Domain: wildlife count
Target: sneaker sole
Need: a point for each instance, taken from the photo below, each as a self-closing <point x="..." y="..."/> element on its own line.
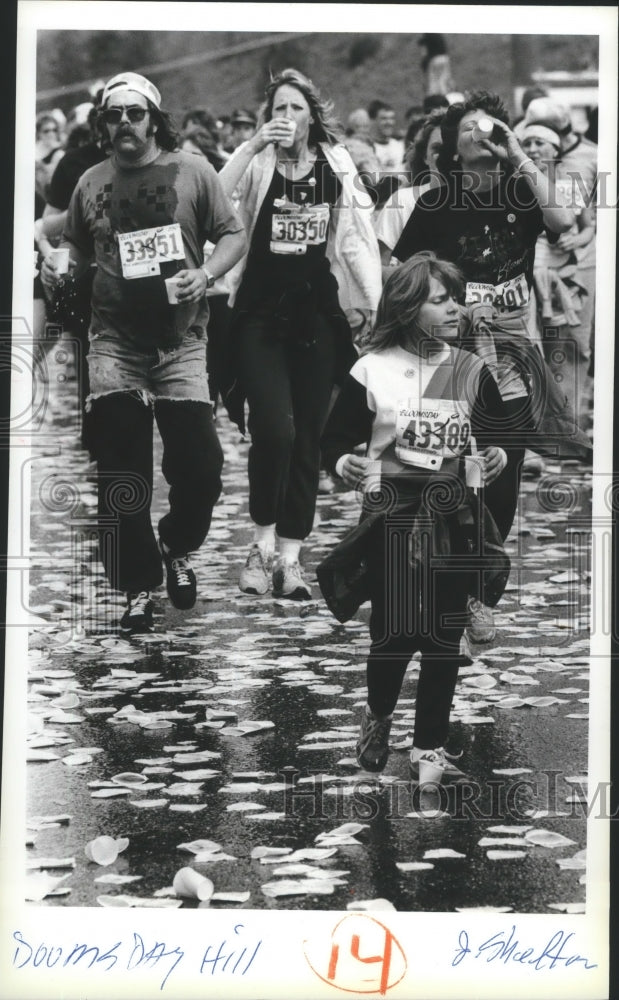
<point x="371" y="767"/>
<point x="143" y="630"/>
<point x="480" y="641"/>
<point x="181" y="605"/>
<point x="298" y="594"/>
<point x="253" y="590"/>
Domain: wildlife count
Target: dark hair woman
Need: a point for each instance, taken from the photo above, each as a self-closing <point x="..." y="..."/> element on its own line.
<point x="312" y="255"/>
<point x="485" y="218"/>
<point x="421" y="160"/>
<point x="417" y="402"/>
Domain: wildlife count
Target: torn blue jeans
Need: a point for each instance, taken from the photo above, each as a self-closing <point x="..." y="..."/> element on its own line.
<point x="129" y="391"/>
<point x="170" y="373"/>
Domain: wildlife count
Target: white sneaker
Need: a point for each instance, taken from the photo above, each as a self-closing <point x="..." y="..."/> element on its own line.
<point x="288" y="582"/>
<point x="481" y="626"/>
<point x="255" y="576"/>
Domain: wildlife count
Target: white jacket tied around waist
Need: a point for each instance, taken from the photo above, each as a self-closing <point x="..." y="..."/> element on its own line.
<point x="351" y="247"/>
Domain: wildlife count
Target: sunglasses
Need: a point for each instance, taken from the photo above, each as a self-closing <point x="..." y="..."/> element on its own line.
<point x="113" y="116"/>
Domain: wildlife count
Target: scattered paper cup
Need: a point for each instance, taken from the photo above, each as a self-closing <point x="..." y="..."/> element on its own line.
<point x="190" y="884"/>
<point x="429" y="773"/>
<point x="171" y="285"/>
<point x="102" y="850"/>
<point x="60" y="257"/>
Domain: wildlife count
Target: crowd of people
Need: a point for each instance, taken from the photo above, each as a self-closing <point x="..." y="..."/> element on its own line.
<point x="384" y="308"/>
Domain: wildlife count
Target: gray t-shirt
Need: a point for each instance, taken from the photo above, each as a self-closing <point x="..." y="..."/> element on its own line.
<point x="110" y="200"/>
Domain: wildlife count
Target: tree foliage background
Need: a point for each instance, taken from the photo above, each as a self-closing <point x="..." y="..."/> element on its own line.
<point x="352" y="68"/>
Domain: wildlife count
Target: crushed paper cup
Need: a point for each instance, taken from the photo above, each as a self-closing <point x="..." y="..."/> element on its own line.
<point x="104" y="850"/>
<point x="190" y="884"/>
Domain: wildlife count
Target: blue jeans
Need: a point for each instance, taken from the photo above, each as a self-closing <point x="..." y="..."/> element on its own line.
<point x="170" y="373"/>
<point x="128" y="389"/>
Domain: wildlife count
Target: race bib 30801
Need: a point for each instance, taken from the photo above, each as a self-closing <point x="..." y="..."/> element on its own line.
<point x="511" y="294"/>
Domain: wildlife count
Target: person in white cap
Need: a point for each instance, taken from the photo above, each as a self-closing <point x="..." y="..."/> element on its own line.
<point x="144" y="216"/>
<point x="563" y="289"/>
<point x="578" y="161"/>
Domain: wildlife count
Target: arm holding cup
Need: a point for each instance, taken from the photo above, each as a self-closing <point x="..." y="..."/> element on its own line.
<point x="557" y="218"/>
<point x="277" y="130"/>
<point x="59" y="261"/>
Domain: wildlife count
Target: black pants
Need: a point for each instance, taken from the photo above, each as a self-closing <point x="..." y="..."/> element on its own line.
<point x="414" y="609"/>
<point x="122" y="425"/>
<point x="218" y="332"/>
<point x="501" y="496"/>
<point x="288" y="387"/>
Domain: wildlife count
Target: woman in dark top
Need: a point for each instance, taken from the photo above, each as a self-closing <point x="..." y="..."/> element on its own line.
<point x="312" y="254"/>
<point x="486" y="218"/>
<point x="418" y="402"/>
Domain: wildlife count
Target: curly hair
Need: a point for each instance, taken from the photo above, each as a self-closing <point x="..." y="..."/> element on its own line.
<point x="420" y="172"/>
<point x="325" y="126"/>
<point x="166" y="135"/>
<point x="479" y="100"/>
<point x="205" y="142"/>
<point x="405" y="291"/>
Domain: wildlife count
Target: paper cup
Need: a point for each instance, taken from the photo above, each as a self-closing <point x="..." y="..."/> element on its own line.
<point x="60" y="257"/>
<point x="371" y="476"/>
<point x="429" y="773"/>
<point x="171" y="285"/>
<point x="190" y="884"/>
<point x="475" y="468"/>
<point x="287" y="143"/>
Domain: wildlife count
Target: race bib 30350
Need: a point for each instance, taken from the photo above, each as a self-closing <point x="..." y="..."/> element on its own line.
<point x="293" y="231"/>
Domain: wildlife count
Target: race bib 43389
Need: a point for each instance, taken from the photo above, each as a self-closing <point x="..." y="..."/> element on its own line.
<point x="427" y="434"/>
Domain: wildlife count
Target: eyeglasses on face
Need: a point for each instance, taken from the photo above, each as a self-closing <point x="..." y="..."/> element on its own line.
<point x="113" y="116"/>
<point x="50" y="129"/>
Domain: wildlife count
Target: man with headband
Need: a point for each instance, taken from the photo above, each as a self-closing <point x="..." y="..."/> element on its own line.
<point x="144" y="216"/>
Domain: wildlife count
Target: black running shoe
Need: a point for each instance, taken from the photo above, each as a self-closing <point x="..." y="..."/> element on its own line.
<point x="373" y="742"/>
<point x="139" y="614"/>
<point x="181" y="579"/>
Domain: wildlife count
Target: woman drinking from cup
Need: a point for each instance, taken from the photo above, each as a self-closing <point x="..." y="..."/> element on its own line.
<point x="431" y="417"/>
<point x="312" y="255"/>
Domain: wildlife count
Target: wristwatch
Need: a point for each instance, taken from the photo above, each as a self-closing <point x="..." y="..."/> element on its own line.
<point x="210" y="279"/>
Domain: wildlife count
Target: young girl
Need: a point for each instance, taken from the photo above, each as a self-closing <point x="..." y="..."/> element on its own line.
<point x="420" y="404"/>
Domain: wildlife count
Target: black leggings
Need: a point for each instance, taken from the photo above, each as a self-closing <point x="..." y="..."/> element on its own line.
<point x="122" y="425"/>
<point x="288" y="388"/>
<point x="412" y="610"/>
